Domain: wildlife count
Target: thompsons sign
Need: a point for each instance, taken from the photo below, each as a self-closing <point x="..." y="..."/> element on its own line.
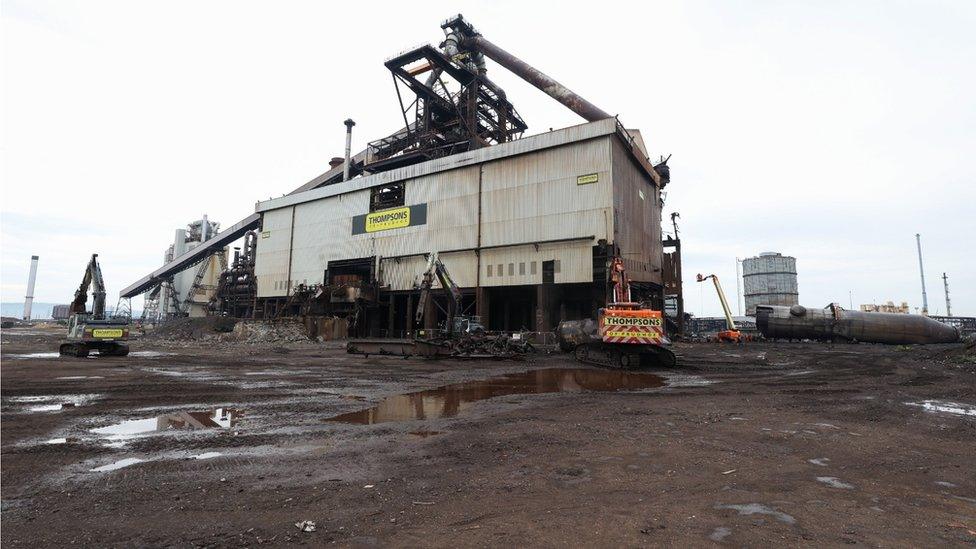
<point x="394" y="218"/>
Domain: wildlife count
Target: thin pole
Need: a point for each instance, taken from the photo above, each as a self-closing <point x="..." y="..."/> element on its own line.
<point x="921" y="270"/>
<point x="738" y="286"/>
<point x="945" y="281"/>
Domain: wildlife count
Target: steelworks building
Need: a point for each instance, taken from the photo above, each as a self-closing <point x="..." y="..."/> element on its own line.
<point x="525" y="228"/>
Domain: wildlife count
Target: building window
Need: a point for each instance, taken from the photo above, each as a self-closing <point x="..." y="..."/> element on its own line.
<point x="511" y="269"/>
<point x="500" y="271"/>
<point x="532" y="268"/>
<point x="489" y="270"/>
<point x="386" y="197"/>
<point x="522" y="268"/>
<point x="558" y="266"/>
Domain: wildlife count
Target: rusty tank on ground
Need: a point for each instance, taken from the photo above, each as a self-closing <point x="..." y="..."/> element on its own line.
<point x="834" y="323"/>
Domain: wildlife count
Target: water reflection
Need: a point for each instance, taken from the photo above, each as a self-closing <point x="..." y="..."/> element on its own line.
<point x="450" y="400"/>
<point x="209" y="419"/>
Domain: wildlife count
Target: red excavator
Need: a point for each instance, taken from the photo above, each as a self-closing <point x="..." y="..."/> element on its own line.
<point x="627" y="334"/>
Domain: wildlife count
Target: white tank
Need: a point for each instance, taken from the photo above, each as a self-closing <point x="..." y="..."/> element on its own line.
<point x="769" y="279"/>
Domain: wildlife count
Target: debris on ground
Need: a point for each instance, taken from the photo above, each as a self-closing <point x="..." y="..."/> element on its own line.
<point x="229" y="329"/>
<point x="306" y="525"/>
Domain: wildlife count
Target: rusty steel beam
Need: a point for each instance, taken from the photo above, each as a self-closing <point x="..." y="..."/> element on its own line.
<point x="537" y="78"/>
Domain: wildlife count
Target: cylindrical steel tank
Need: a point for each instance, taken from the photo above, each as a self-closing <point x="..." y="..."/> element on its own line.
<point x="834" y="323"/>
<point x="769" y="279"/>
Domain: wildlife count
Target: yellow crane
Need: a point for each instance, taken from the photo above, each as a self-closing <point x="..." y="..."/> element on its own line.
<point x="731" y="333"/>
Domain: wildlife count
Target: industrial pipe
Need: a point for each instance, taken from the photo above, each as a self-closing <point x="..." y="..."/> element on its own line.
<point x="834" y="323"/>
<point x="345" y="170"/>
<point x="31" y="279"/>
<point x="537" y="78"/>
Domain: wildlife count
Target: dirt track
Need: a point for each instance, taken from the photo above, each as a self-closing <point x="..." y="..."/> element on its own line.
<point x="797" y="444"/>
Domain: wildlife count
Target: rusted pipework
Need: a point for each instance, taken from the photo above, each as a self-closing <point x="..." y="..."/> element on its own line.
<point x="537" y="78"/>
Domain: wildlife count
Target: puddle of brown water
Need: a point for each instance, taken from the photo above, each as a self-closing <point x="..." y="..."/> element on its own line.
<point x="449" y="400"/>
<point x="216" y="418"/>
<point x="424" y="433"/>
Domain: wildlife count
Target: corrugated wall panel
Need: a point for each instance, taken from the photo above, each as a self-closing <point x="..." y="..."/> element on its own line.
<point x="323" y="228"/>
<point x="536" y="197"/>
<point x="271" y="268"/>
<point x="523" y="264"/>
<point x="637" y="224"/>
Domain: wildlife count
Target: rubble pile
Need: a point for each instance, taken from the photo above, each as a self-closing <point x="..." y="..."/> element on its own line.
<point x="227" y="329"/>
<point x="257" y="331"/>
<point x="189" y="329"/>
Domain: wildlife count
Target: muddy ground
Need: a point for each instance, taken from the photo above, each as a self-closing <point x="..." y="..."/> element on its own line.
<point x="768" y="443"/>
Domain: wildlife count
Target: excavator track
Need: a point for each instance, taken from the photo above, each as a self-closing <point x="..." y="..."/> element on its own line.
<point x="624" y="357"/>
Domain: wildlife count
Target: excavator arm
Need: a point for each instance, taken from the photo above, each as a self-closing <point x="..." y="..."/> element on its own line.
<point x="92" y="280"/>
<point x="437" y="269"/>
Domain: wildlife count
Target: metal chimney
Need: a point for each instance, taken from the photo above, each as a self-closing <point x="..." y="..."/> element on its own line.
<point x="349" y="124"/>
<point x="31" y="278"/>
<point x="945" y="281"/>
<point x="921" y="270"/>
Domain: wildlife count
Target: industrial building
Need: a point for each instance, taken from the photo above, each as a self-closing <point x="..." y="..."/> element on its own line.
<point x="769" y="279"/>
<point x="527" y="226"/>
<point x="187" y="292"/>
<point x="524" y="227"/>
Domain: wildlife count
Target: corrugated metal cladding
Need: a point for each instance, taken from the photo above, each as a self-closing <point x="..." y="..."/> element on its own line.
<point x="557" y="138"/>
<point x="526" y="199"/>
<point x="274" y="243"/>
<point x="637" y="230"/>
<point x="535" y="197"/>
<point x="769" y="279"/>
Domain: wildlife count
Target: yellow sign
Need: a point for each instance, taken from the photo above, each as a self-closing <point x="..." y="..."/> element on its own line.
<point x="631" y="321"/>
<point x="644" y="335"/>
<point x="388" y="219"/>
<point x="107" y="332"/>
<point x="266" y="234"/>
<point x="587" y="179"/>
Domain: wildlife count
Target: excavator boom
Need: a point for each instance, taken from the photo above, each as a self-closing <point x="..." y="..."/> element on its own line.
<point x="91" y="280"/>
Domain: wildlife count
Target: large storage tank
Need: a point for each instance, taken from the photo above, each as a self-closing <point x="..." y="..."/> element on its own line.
<point x="769" y="279"/>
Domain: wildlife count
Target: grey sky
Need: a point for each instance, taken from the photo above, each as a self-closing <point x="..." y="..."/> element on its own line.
<point x="831" y="131"/>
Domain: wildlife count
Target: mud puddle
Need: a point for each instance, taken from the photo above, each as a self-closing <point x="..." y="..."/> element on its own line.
<point x="34" y="355"/>
<point x="117" y="465"/>
<point x="49" y="403"/>
<point x="450" y="400"/>
<point x="946" y="407"/>
<point x="221" y="418"/>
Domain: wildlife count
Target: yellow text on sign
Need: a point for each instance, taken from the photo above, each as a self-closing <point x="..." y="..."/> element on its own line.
<point x="645" y="335"/>
<point x="388" y="219"/>
<point x="587" y="179"/>
<point x="107" y="332"/>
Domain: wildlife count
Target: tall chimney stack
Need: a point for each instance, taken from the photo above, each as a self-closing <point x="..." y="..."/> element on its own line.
<point x="349" y="124"/>
<point x="31" y="278"/>
<point x="921" y="270"/>
<point x="945" y="281"/>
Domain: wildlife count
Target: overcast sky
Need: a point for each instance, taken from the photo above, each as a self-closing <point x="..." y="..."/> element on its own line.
<point x="830" y="131"/>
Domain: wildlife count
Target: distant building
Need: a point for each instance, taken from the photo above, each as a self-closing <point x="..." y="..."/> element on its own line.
<point x="769" y="279"/>
<point x="60" y="312"/>
<point x="888" y="307"/>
